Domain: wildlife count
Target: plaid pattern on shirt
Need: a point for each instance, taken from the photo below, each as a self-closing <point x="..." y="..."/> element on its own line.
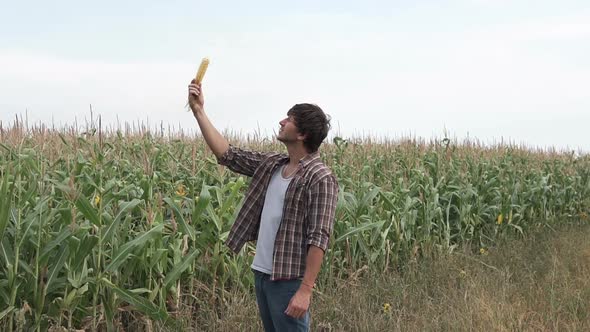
<point x="308" y="211"/>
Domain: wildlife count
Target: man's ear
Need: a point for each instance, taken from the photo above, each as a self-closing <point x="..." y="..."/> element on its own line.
<point x="301" y="137"/>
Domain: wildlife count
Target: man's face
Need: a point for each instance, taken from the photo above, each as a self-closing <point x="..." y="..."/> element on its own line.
<point x="288" y="131"/>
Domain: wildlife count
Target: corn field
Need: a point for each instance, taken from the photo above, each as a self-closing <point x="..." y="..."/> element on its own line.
<point x="101" y="230"/>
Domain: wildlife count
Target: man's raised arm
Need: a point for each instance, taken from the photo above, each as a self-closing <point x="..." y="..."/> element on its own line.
<point x="216" y="142"/>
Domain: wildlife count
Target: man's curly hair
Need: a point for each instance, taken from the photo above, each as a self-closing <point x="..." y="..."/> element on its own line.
<point x="311" y="122"/>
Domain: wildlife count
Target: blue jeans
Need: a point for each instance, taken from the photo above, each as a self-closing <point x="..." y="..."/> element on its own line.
<point x="273" y="299"/>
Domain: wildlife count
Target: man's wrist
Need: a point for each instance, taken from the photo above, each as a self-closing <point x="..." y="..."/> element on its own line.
<point x="198" y="113"/>
<point x="307" y="286"/>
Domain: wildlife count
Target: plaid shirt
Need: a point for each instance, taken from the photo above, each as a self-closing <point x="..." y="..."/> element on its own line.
<point x="308" y="211"/>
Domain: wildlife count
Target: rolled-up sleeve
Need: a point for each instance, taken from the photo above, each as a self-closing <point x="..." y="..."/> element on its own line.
<point x="322" y="207"/>
<point x="242" y="161"/>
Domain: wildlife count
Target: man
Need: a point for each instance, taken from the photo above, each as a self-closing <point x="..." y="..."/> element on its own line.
<point x="288" y="209"/>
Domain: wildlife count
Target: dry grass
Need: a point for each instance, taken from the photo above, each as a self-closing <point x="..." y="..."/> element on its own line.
<point x="541" y="283"/>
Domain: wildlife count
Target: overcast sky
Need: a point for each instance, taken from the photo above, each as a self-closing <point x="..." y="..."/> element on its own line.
<point x="487" y="69"/>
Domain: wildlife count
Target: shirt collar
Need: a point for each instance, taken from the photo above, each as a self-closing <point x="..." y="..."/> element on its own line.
<point x="305" y="161"/>
<point x="309" y="158"/>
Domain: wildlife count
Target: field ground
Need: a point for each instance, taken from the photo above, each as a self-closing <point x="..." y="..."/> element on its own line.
<point x="540" y="283"/>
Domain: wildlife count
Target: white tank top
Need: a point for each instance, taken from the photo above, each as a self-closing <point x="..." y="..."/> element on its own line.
<point x="270" y="220"/>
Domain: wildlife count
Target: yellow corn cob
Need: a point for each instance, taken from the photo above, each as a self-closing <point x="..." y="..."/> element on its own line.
<point x="202" y="70"/>
<point x="200" y="73"/>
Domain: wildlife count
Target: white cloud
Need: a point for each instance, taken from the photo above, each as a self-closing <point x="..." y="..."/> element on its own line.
<point x="550" y="29"/>
<point x="488" y="82"/>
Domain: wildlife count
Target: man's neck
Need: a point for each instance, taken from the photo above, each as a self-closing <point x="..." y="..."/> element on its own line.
<point x="296" y="153"/>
